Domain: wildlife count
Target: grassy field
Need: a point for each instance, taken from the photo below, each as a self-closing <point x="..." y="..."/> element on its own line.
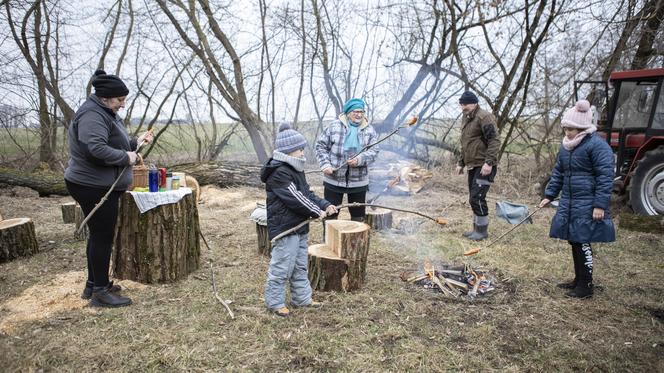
<point x="526" y="325"/>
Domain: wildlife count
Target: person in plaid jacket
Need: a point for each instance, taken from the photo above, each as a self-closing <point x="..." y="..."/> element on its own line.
<point x="336" y="150"/>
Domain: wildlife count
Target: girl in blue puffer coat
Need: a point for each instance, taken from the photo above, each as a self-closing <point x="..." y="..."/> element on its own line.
<point x="583" y="176"/>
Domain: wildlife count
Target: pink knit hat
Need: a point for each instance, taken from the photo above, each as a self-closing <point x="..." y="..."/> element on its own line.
<point x="580" y="116"/>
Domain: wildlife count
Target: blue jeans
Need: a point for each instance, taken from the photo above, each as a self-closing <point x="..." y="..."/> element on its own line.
<point x="290" y="263"/>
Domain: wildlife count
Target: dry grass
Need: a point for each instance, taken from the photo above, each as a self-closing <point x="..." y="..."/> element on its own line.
<point x="527" y="324"/>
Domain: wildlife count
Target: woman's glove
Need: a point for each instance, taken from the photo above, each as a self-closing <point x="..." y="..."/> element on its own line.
<point x="132" y="158"/>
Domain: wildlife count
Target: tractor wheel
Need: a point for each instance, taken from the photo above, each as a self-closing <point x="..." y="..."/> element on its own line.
<point x="647" y="186"/>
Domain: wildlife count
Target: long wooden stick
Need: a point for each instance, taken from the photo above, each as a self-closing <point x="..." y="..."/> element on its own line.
<point x="410" y="122"/>
<point x="476" y="250"/>
<point x="214" y="283"/>
<point x="440" y="221"/>
<point x="105" y="197"/>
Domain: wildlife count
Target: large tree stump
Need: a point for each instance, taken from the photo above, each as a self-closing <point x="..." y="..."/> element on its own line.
<point x="379" y="219"/>
<point x="162" y="245"/>
<point x="17" y="239"/>
<point x="340" y="263"/>
<point x="264" y="244"/>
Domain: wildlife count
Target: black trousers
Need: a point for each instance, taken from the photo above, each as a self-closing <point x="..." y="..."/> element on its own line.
<point x="335" y="198"/>
<point x="478" y="187"/>
<point x="101" y="226"/>
<point x="582" y="253"/>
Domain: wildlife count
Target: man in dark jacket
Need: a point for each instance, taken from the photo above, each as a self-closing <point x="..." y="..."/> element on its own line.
<point x="290" y="201"/>
<point x="479" y="154"/>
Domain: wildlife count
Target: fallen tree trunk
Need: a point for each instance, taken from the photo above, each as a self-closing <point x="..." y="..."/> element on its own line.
<point x="220" y="174"/>
<point x="45" y="183"/>
<point x="223" y="174"/>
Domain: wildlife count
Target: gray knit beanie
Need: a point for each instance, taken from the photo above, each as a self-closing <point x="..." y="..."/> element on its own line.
<point x="289" y="140"/>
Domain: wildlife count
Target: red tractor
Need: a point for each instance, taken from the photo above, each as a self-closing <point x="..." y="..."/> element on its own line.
<point x="632" y="120"/>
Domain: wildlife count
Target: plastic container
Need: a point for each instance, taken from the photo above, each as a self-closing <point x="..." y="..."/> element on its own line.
<point x="153" y="179"/>
<point x="169" y="181"/>
<point x="175" y="183"/>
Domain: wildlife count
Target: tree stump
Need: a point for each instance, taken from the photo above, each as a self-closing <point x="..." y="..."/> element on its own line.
<point x="264" y="244"/>
<point x="159" y="246"/>
<point x="68" y="212"/>
<point x="379" y="219"/>
<point x="79" y="216"/>
<point x="340" y="263"/>
<point x="17" y="239"/>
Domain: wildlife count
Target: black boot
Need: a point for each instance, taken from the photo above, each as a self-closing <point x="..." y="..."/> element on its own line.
<point x="87" y="291"/>
<point x="480" y="233"/>
<point x="577" y="262"/>
<point x="584" y="284"/>
<point x="101" y="297"/>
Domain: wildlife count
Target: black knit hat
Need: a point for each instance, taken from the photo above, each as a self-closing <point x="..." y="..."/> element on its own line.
<point x="108" y="85"/>
<point x="468" y="97"/>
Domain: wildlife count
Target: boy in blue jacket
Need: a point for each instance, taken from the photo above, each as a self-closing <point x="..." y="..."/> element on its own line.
<point x="584" y="175"/>
<point x="290" y="201"/>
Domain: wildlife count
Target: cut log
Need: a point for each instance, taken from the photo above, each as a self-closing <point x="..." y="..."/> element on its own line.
<point x="264" y="244"/>
<point x="44" y="182"/>
<point x="160" y="246"/>
<point x="340" y="263"/>
<point x="68" y="212"/>
<point x="328" y="272"/>
<point x="17" y="239"/>
<point x="79" y="216"/>
<point x="223" y="175"/>
<point x="379" y="219"/>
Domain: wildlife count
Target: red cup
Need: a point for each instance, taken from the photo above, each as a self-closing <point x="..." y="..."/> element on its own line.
<point x="162" y="178"/>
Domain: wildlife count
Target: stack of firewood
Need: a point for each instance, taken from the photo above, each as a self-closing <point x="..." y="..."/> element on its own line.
<point x="453" y="281"/>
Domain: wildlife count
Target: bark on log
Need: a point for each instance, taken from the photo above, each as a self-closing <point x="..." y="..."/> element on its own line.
<point x="264" y="244"/>
<point x="17" y="239"/>
<point x="327" y="272"/>
<point x="79" y="216"/>
<point x="68" y="212"/>
<point x="162" y="245"/>
<point x="379" y="219"/>
<point x="45" y="183"/>
<point x="223" y="175"/>
<point x="340" y="263"/>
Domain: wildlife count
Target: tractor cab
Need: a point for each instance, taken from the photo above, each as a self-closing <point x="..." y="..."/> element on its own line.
<point x="630" y="116"/>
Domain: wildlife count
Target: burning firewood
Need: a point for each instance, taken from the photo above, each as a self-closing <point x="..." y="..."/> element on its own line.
<point x="452" y="281"/>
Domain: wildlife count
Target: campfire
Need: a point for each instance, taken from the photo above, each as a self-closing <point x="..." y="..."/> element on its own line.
<point x="451" y="280"/>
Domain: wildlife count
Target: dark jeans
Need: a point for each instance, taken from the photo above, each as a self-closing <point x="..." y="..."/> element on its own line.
<point x="101" y="226"/>
<point x="478" y="187"/>
<point x="335" y="198"/>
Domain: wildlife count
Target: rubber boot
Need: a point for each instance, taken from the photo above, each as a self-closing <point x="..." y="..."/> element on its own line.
<point x="584" y="284"/>
<point x="577" y="263"/>
<point x="467" y="234"/>
<point x="87" y="291"/>
<point x="481" y="229"/>
<point x="101" y="297"/>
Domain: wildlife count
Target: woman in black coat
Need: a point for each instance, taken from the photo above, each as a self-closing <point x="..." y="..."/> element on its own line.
<point x="583" y="176"/>
<point x="100" y="148"/>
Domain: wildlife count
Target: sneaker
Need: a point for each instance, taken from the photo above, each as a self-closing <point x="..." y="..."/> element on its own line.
<point x="283" y="311"/>
<point x="87" y="291"/>
<point x="313" y="304"/>
<point x="101" y="297"/>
